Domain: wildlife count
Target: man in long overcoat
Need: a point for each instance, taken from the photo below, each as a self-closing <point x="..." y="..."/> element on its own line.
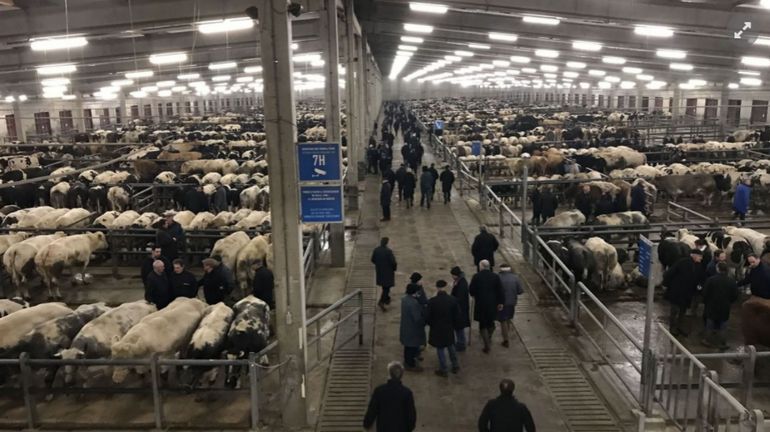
<point x="681" y="282"/>
<point x="443" y="317"/>
<point x="487" y="289"/>
<point x="385" y="267"/>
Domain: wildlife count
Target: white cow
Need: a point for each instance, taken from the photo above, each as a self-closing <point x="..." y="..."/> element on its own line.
<point x="66" y="252"/>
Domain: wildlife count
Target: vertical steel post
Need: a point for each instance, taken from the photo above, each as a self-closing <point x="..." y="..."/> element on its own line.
<point x="254" y="391"/>
<point x="646" y="348"/>
<point x="525" y="242"/>
<point x="501" y="220"/>
<point x="360" y="318"/>
<point x="574" y="304"/>
<point x="749" y="364"/>
<point x="156" y="396"/>
<point x="29" y="400"/>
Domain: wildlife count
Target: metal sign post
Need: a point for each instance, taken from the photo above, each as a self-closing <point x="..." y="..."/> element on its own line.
<point x="648" y="252"/>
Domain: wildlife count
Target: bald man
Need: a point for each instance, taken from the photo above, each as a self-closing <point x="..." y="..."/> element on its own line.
<point x="158" y="288"/>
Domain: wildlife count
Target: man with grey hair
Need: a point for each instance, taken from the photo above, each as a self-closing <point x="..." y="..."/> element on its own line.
<point x="158" y="288"/>
<point x="392" y="404"/>
<point x="505" y="413"/>
<point x="487" y="289"/>
<point x="511" y="290"/>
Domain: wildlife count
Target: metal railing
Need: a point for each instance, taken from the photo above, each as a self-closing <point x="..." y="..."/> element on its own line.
<point x="321" y="330"/>
<point x="723" y="412"/>
<point x="685" y="214"/>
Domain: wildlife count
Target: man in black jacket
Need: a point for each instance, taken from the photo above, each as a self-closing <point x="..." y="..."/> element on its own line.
<point x="263" y="285"/>
<point x="155" y="255"/>
<point x="385" y="192"/>
<point x="196" y="200"/>
<point x="157" y="290"/>
<point x="719" y="293"/>
<point x="487" y="289"/>
<point x="217" y="281"/>
<point x="460" y="292"/>
<point x="506" y="414"/>
<point x="639" y="198"/>
<point x="681" y="282"/>
<point x="400" y="178"/>
<point x="758" y="277"/>
<point x="484" y="247"/>
<point x="548" y="204"/>
<point x="385" y="269"/>
<point x="170" y="236"/>
<point x="183" y="283"/>
<point x="392" y="404"/>
<point x="443" y="318"/>
<point x="583" y="201"/>
<point x="447" y="180"/>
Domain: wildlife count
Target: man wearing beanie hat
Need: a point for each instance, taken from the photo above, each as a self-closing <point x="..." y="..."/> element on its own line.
<point x="681" y="282"/>
<point x="416" y="280"/>
<point x="385" y="270"/>
<point x="412" y="328"/>
<point x="443" y="318"/>
<point x="460" y="293"/>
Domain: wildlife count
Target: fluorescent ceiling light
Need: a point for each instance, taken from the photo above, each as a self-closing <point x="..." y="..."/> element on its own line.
<point x="755" y="61"/>
<point x="188" y="76"/>
<point x="223" y="65"/>
<point x="632" y="70"/>
<point x="163" y="84"/>
<point x="671" y="54"/>
<point x="762" y="40"/>
<point x="168" y="58"/>
<point x="520" y="59"/>
<point x="733" y="86"/>
<point x="57" y="43"/>
<point x="22" y="98"/>
<point x="613" y="60"/>
<point x="407" y="48"/>
<point x="604" y="85"/>
<point x="529" y="70"/>
<point x="56" y="69"/>
<point x="220" y="78"/>
<point x="586" y="46"/>
<point x="138" y="94"/>
<point x="765" y="3"/>
<point x="612" y="79"/>
<point x="751" y="81"/>
<point x="627" y="85"/>
<point x="596" y="72"/>
<point x="656" y="85"/>
<point x="506" y="37"/>
<point x="412" y="39"/>
<point x="178" y="89"/>
<point x="55" y="81"/>
<point x="645" y="77"/>
<point x="697" y="82"/>
<point x="653" y="31"/>
<point x="418" y="28"/>
<point x="549" y="68"/>
<point x="197" y="84"/>
<point x="164" y="93"/>
<point x="686" y="86"/>
<point x="750" y="73"/>
<point x="547" y="53"/>
<point x="576" y="65"/>
<point x="570" y="74"/>
<point x="225" y="25"/>
<point x="501" y="63"/>
<point x="121" y="83"/>
<point x="69" y="97"/>
<point x="681" y="66"/>
<point x="479" y="46"/>
<point x="252" y="69"/>
<point x="139" y="74"/>
<point x="294" y="47"/>
<point x="10" y="99"/>
<point x="534" y="19"/>
<point x="149" y="89"/>
<point x="585" y="85"/>
<point x="244" y="79"/>
<point x="109" y="89"/>
<point x="59" y="90"/>
<point x="464" y="53"/>
<point x="428" y="7"/>
<point x="306" y="58"/>
<point x="453" y="58"/>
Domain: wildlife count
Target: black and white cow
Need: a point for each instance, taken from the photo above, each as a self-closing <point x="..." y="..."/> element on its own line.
<point x="249" y="333"/>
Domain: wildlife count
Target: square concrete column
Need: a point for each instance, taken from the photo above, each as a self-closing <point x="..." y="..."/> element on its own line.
<point x="18" y="119"/>
<point x="281" y="129"/>
<point x="352" y="109"/>
<point x="676" y="108"/>
<point x="78" y="118"/>
<point x="724" y="103"/>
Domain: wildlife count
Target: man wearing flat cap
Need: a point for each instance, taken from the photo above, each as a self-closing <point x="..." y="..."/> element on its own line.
<point x="681" y="282"/>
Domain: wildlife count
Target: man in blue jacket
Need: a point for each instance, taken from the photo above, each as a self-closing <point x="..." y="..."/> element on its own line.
<point x="741" y="199"/>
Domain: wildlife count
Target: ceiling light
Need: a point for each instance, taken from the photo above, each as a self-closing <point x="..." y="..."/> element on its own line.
<point x="755" y="61"/>
<point x="164" y="93"/>
<point x="549" y="68"/>
<point x="407" y="48"/>
<point x="613" y="60"/>
<point x="762" y="40"/>
<point x="750" y="73"/>
<point x="168" y="58"/>
<point x="576" y="65"/>
<point x="178" y="89"/>
<point x="320" y="63"/>
<point x="645" y="77"/>
<point x="225" y="25"/>
<point x="653" y="31"/>
<point x="733" y="86"/>
<point x="197" y="84"/>
<point x="244" y="79"/>
<point x="294" y="47"/>
<point x="10" y="99"/>
<point x="105" y="89"/>
<point x="56" y="95"/>
<point x="681" y="66"/>
<point x="412" y="39"/>
<point x="121" y="83"/>
<point x="506" y="37"/>
<point x="534" y="19"/>
<point x="765" y="3"/>
<point x="478" y="46"/>
<point x="57" y="43"/>
<point x="149" y="89"/>
<point x="596" y="72"/>
<point x="529" y="70"/>
<point x="139" y="74"/>
<point x="671" y="54"/>
<point x="464" y="53"/>
<point x="252" y="69"/>
<point x="223" y="65"/>
<point x="586" y="46"/>
<point x="418" y="28"/>
<point x="220" y="78"/>
<point x="57" y="90"/>
<point x="55" y="81"/>
<point x="751" y="81"/>
<point x="69" y="97"/>
<point x="306" y="58"/>
<point x="163" y="84"/>
<point x="56" y="69"/>
<point x="501" y="63"/>
<point x="627" y="85"/>
<point x="188" y="76"/>
<point x="604" y="85"/>
<point x="656" y="85"/>
<point x="612" y="79"/>
<point x="453" y="58"/>
<point x="687" y="86"/>
<point x="520" y="59"/>
<point x="570" y="74"/>
<point x="547" y="53"/>
<point x="585" y="85"/>
<point x="632" y="70"/>
<point x="428" y="7"/>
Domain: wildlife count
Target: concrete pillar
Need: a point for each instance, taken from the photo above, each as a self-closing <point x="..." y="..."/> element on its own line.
<point x="590" y="97"/>
<point x="18" y="118"/>
<point x="676" y="108"/>
<point x="639" y="99"/>
<point x="330" y="37"/>
<point x="122" y="107"/>
<point x="724" y="103"/>
<point x="352" y="110"/>
<point x="281" y="129"/>
<point x="78" y="120"/>
<point x="363" y="118"/>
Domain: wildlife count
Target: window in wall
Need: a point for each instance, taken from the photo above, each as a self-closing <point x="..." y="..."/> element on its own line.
<point x="227" y="103"/>
<point x="632" y="102"/>
<point x="691" y="109"/>
<point x="601" y="100"/>
<point x="65" y="121"/>
<point x="118" y="115"/>
<point x="564" y="99"/>
<point x="670" y="104"/>
<point x="238" y="102"/>
<point x="170" y="109"/>
<point x="584" y="99"/>
<point x="758" y="111"/>
<point x="179" y="108"/>
<point x="134" y="112"/>
<point x="42" y="123"/>
<point x="734" y="112"/>
<point x="187" y="107"/>
<point x="645" y="103"/>
<point x="658" y="103"/>
<point x="196" y="108"/>
<point x="10" y="126"/>
<point x="711" y="109"/>
<point x="621" y="102"/>
<point x="88" y="119"/>
<point x="104" y="118"/>
<point x="148" y="112"/>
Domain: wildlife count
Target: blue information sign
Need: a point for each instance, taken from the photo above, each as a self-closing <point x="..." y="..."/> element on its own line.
<point x="645" y="257"/>
<point x="476" y="148"/>
<point x="319" y="162"/>
<point x="439" y="124"/>
<point x="321" y="204"/>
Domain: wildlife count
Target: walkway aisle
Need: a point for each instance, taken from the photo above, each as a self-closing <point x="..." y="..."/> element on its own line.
<point x="432" y="242"/>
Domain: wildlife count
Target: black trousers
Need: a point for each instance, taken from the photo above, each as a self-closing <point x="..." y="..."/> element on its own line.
<point x="425" y="198"/>
<point x="447" y="196"/>
<point x="741" y="216"/>
<point x="386" y="212"/>
<point x="410" y="356"/>
<point x="400" y="192"/>
<point x="676" y="318"/>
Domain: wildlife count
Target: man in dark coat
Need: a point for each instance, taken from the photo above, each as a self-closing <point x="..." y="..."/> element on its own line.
<point x="217" y="281"/>
<point x="537" y="206"/>
<point x="400" y="179"/>
<point x="385" y="268"/>
<point x="484" y="246"/>
<point x="183" y="283"/>
<point x="156" y="254"/>
<point x="392" y="404"/>
<point x="219" y="200"/>
<point x="604" y="205"/>
<point x="412" y="327"/>
<point x="196" y="201"/>
<point x="426" y="187"/>
<point x="487" y="289"/>
<point x="390" y="176"/>
<point x="548" y="204"/>
<point x="263" y="285"/>
<point x="434" y="173"/>
<point x="758" y="277"/>
<point x="460" y="292"/>
<point x="157" y="290"/>
<point x="447" y="180"/>
<point x="372" y="158"/>
<point x="506" y="414"/>
<point x="583" y="201"/>
<point x="385" y="193"/>
<point x="719" y="293"/>
<point x="443" y="318"/>
<point x="681" y="282"/>
<point x="170" y="236"/>
<point x="638" y="198"/>
<point x="410" y="183"/>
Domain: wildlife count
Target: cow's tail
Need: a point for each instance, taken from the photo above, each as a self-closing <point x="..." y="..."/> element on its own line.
<point x="12" y="268"/>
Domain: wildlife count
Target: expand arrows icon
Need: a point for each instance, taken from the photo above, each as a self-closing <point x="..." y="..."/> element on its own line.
<point x="739" y="34"/>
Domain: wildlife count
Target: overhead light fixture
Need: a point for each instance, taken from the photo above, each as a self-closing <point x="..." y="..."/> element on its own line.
<point x="164" y="93"/>
<point x="220" y="78"/>
<point x="751" y="81"/>
<point x="463" y="53"/>
<point x="570" y="74"/>
<point x="188" y="76"/>
<point x="762" y="40"/>
<point x="195" y="84"/>
<point x="613" y="60"/>
<point x="418" y="28"/>
<point x="642" y="77"/>
<point x="681" y="66"/>
<point x="252" y="69"/>
<point x="223" y="65"/>
<point x="138" y="94"/>
<point x="547" y="53"/>
<point x="520" y="59"/>
<point x="398" y="54"/>
<point x="545" y="20"/>
<point x="412" y="39"/>
<point x="627" y="85"/>
<point x="653" y="31"/>
<point x="121" y="83"/>
<point x="612" y="79"/>
<point x="596" y="72"/>
<point x="168" y="58"/>
<point x="656" y="85"/>
<point x="149" y="89"/>
<point x="756" y="61"/>
<point x="407" y="48"/>
<point x="586" y="46"/>
<point x="550" y="76"/>
<point x="576" y="65"/>
<point x="478" y="46"/>
<point x="733" y="86"/>
<point x="54" y="82"/>
<point x="671" y="54"/>
<point x="69" y="97"/>
<point x="244" y="79"/>
<point x="139" y="74"/>
<point x="178" y="89"/>
<point x="57" y="43"/>
<point x="604" y="85"/>
<point x="765" y="3"/>
<point x="697" y="82"/>
<point x="10" y="99"/>
<point x="306" y="58"/>
<point x="163" y="84"/>
<point x="529" y="70"/>
<point x="687" y="86"/>
<point x="225" y="25"/>
<point x="108" y="89"/>
<point x="428" y="7"/>
<point x="585" y="85"/>
<point x="549" y="68"/>
<point x="501" y="63"/>
<point x="632" y="70"/>
<point x="57" y="90"/>
<point x="294" y="47"/>
<point x="22" y="98"/>
<point x="56" y="69"/>
<point x="453" y="58"/>
<point x="749" y="73"/>
<point x="505" y="37"/>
